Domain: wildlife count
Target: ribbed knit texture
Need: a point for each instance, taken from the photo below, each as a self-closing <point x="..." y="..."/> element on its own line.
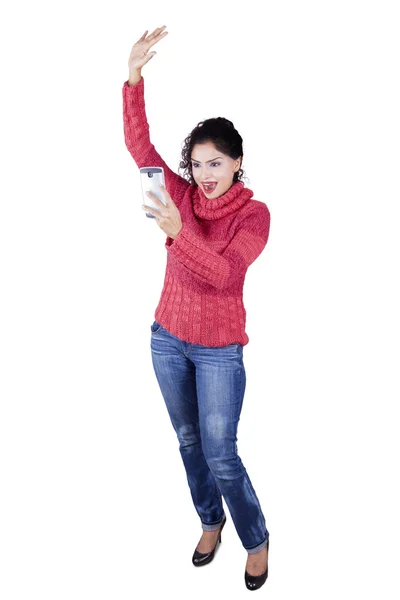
<point x="202" y="297"/>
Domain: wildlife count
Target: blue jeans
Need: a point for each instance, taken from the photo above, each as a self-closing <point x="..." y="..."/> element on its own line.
<point x="203" y="389"/>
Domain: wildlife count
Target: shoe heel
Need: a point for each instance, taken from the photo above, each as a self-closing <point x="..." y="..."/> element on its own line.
<point x="254" y="582"/>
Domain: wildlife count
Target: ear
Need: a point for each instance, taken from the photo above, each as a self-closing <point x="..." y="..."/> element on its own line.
<point x="238" y="163"/>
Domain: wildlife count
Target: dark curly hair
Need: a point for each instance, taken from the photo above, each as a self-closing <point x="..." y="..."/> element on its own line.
<point x="220" y="132"/>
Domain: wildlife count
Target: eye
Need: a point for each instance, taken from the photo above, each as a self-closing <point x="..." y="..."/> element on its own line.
<point x="216" y="164"/>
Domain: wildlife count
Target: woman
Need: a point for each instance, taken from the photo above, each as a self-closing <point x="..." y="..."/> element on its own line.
<point x="214" y="232"/>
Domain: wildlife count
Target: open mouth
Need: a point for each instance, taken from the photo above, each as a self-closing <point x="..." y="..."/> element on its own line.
<point x="209" y="187"/>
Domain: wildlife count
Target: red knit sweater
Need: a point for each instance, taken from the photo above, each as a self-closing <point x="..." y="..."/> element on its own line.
<point x="202" y="297"/>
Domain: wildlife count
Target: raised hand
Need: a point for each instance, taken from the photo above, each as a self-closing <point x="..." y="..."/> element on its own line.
<point x="139" y="54"/>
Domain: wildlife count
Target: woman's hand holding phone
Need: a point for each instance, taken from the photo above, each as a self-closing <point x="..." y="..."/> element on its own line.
<point x="167" y="216"/>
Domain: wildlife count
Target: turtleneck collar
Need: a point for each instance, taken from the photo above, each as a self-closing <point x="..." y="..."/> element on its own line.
<point x="215" y="208"/>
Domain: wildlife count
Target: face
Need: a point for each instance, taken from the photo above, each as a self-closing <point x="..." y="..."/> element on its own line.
<point x="210" y="165"/>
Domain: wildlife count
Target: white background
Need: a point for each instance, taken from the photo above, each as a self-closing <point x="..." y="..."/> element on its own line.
<point x="94" y="500"/>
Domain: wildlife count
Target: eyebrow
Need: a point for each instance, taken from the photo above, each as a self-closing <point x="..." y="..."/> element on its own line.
<point x="207" y="161"/>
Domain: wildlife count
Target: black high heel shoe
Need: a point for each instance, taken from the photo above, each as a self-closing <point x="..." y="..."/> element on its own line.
<point x="199" y="558"/>
<point x="254" y="582"/>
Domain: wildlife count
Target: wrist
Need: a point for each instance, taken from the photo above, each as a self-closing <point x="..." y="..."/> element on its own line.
<point x="178" y="232"/>
<point x="134" y="77"/>
<point x="173" y="237"/>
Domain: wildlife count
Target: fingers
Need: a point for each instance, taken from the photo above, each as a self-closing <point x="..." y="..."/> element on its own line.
<point x="168" y="200"/>
<point x="156" y="36"/>
<point x="155" y="199"/>
<point x="166" y="195"/>
<point x="149" y="57"/>
<point x="148" y="209"/>
<point x="143" y="36"/>
<point x="152" y="211"/>
<point x="156" y="31"/>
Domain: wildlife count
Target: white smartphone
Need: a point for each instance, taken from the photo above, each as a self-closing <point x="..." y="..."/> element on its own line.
<point x="150" y="178"/>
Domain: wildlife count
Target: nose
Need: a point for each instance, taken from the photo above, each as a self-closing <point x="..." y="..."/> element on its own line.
<point x="205" y="173"/>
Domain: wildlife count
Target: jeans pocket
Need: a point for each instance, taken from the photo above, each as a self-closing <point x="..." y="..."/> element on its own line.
<point x="155" y="327"/>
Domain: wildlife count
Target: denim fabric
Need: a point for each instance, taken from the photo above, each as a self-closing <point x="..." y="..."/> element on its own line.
<point x="203" y="389"/>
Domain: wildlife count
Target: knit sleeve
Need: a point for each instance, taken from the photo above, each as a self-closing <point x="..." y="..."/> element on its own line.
<point x="137" y="138"/>
<point x="222" y="270"/>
